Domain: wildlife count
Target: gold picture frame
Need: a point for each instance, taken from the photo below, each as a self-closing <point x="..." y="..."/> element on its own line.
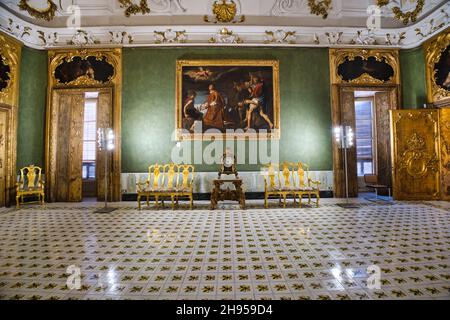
<point x="256" y="72"/>
<point x="434" y="49"/>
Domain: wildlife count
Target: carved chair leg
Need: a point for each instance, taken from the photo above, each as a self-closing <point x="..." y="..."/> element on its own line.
<point x="17" y="202"/>
<point x="284" y="200"/>
<point x="148" y="202"/>
<point x="172" y="197"/>
<point x="139" y="201"/>
<point x="157" y="202"/>
<point x="265" y="200"/>
<point x="191" y="198"/>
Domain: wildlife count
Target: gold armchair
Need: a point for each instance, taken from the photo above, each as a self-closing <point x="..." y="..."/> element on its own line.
<point x="152" y="186"/>
<point x="305" y="185"/>
<point x="30" y="184"/>
<point x="185" y="183"/>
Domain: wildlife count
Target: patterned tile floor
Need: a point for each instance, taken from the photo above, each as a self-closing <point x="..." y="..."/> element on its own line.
<point x="308" y="253"/>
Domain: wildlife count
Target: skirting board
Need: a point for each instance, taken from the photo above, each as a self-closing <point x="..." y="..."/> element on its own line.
<point x="207" y="196"/>
<point x="253" y="181"/>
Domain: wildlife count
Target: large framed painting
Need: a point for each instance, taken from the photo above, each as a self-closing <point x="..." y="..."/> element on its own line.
<point x="236" y="99"/>
<point x="437" y="57"/>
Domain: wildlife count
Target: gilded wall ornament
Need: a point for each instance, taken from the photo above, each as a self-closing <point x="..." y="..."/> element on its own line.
<point x="132" y="8"/>
<point x="280" y="36"/>
<point x="170" y="36"/>
<point x="44" y="14"/>
<point x="405" y="17"/>
<point x="437" y="59"/>
<point x="224" y="11"/>
<point x="320" y="8"/>
<point x="364" y="66"/>
<point x="225" y="36"/>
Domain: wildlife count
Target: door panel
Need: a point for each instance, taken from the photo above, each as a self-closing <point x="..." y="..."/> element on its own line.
<point x="347" y="102"/>
<point x="444" y="119"/>
<point x="69" y="147"/>
<point x="3" y="157"/>
<point x="104" y="120"/>
<point x="415" y="153"/>
<point x="383" y="145"/>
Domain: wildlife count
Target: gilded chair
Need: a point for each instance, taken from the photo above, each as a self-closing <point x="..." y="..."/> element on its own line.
<point x="304" y="185"/>
<point x="271" y="176"/>
<point x="185" y="183"/>
<point x="153" y="186"/>
<point x="30" y="184"/>
<point x="169" y="183"/>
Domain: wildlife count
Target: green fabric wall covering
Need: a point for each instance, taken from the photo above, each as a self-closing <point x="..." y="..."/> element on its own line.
<point x="32" y="101"/>
<point x="148" y="108"/>
<point x="414" y="88"/>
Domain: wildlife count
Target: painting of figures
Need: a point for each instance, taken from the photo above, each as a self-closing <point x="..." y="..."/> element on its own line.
<point x="236" y="97"/>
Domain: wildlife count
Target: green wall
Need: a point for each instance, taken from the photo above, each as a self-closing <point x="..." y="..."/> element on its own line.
<point x="412" y="69"/>
<point x="32" y="101"/>
<point x="148" y="116"/>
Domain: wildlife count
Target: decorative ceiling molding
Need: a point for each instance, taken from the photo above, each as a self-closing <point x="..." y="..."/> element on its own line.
<point x="225" y="11"/>
<point x="199" y="35"/>
<point x="403" y="14"/>
<point x="47" y="13"/>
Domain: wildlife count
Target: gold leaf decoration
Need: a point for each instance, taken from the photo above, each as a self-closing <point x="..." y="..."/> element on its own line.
<point x="132" y="9"/>
<point x="45" y="14"/>
<point x="320" y="8"/>
<point x="405" y="17"/>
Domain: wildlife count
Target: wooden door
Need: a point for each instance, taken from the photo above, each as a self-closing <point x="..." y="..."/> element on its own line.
<point x="384" y="101"/>
<point x="66" y="148"/>
<point x="104" y="120"/>
<point x="346" y="118"/>
<point x="415" y="154"/>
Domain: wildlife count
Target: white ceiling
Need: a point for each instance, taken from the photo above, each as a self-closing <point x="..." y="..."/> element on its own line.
<point x="181" y="23"/>
<point x="95" y="13"/>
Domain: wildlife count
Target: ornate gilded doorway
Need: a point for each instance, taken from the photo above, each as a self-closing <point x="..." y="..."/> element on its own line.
<point x="10" y="52"/>
<point x="73" y="75"/>
<point x="356" y="71"/>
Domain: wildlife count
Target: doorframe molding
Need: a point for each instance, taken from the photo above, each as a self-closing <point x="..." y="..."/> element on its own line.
<point x="364" y="83"/>
<point x="11" y="51"/>
<point x="114" y="57"/>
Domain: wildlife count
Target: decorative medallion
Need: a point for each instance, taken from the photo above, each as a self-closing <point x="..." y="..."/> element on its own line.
<point x="45" y="14"/>
<point x="415" y="159"/>
<point x="320" y="8"/>
<point x="224" y="12"/>
<point x="132" y="8"/>
<point x="407" y="16"/>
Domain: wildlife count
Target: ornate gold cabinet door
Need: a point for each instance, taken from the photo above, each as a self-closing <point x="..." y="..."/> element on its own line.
<point x="416" y="154"/>
<point x="444" y="121"/>
<point x="3" y="157"/>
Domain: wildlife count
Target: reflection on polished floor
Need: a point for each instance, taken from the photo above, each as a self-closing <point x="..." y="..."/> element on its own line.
<point x="308" y="253"/>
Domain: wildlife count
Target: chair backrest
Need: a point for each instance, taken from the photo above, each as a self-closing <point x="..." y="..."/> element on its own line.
<point x="170" y="176"/>
<point x="271" y="175"/>
<point x="155" y="179"/>
<point x="30" y="177"/>
<point x="301" y="174"/>
<point x="287" y="174"/>
<point x="186" y="174"/>
<point x="370" y="178"/>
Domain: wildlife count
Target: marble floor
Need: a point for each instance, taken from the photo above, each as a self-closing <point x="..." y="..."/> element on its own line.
<point x="65" y="251"/>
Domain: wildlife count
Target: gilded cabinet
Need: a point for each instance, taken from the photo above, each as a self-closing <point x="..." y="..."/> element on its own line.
<point x="419" y="153"/>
